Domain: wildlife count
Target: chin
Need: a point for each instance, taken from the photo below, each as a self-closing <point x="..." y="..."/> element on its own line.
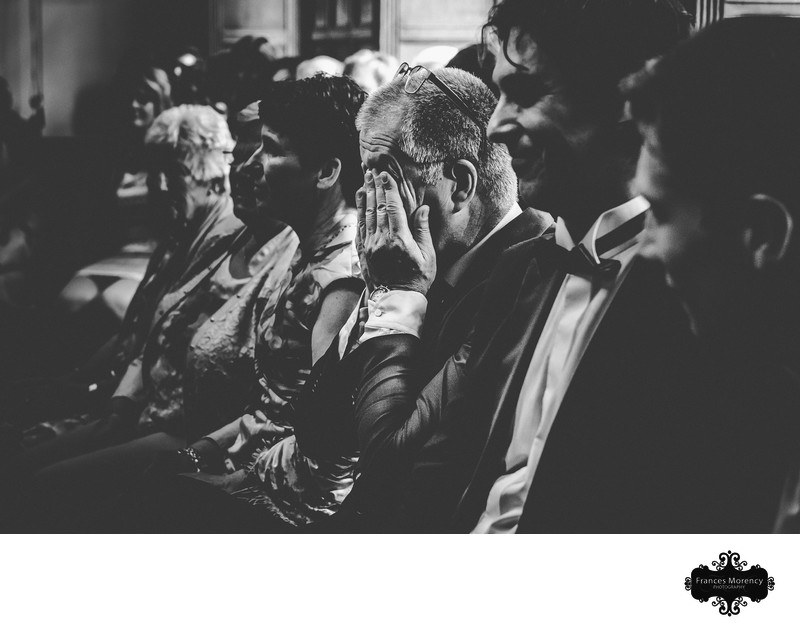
<point x="536" y="194"/>
<point x="244" y="214"/>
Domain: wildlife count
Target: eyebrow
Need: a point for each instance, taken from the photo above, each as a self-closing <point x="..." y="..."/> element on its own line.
<point x="516" y="83"/>
<point x="271" y="142"/>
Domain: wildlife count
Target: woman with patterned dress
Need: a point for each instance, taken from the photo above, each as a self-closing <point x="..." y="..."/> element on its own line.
<point x="254" y="351"/>
<point x="268" y="465"/>
<point x="188" y="146"/>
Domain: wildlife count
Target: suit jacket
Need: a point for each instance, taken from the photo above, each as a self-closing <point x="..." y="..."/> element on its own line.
<point x="652" y="435"/>
<point x="367" y="378"/>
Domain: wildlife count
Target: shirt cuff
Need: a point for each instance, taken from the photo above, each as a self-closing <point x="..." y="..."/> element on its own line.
<point x="395" y="312"/>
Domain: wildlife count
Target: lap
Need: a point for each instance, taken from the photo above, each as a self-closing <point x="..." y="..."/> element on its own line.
<point x="67" y="495"/>
<point x="185" y="504"/>
<point x="129" y="457"/>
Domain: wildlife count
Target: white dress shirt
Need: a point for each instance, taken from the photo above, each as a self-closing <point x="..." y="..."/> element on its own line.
<point x="577" y="311"/>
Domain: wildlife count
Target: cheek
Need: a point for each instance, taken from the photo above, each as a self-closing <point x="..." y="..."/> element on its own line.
<point x="285" y="179"/>
<point x="678" y="241"/>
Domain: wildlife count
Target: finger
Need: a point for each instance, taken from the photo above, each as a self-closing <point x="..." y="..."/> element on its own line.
<point x="361" y="207"/>
<point x="369" y="214"/>
<point x="380" y="199"/>
<point x="421" y="231"/>
<point x="359" y="245"/>
<point x="406" y="192"/>
<point x="395" y="211"/>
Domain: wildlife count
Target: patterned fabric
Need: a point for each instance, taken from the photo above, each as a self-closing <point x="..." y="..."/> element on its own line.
<point x="183" y="256"/>
<point x="175" y="261"/>
<point x="306" y="488"/>
<point x="247" y="342"/>
<point x="295" y="487"/>
<point x="219" y="380"/>
<point x="182" y="312"/>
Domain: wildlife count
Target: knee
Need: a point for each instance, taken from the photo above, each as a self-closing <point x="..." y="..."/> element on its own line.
<point x="117" y="296"/>
<point x="79" y="292"/>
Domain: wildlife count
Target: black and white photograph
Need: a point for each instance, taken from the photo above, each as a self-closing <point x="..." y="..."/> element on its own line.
<point x="295" y="294"/>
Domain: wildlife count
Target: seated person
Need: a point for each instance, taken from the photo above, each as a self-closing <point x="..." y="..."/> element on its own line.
<point x="284" y="299"/>
<point x="190" y="174"/>
<point x="190" y="144"/>
<point x="587" y="404"/>
<point x="469" y="189"/>
<point x="719" y="166"/>
<point x="584" y="403"/>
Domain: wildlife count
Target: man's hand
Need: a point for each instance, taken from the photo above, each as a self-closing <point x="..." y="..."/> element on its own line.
<point x="361" y="197"/>
<point x="397" y="256"/>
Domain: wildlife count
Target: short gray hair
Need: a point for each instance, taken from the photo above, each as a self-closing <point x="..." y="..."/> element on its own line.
<point x="434" y="130"/>
<point x="192" y="134"/>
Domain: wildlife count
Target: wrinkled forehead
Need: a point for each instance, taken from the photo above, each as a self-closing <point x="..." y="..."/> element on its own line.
<point x="376" y="143"/>
<point x="380" y="141"/>
<point x="380" y="150"/>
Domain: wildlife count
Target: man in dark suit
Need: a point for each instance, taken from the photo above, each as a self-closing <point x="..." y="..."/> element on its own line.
<point x="429" y="142"/>
<point x="581" y="402"/>
<point x="719" y="166"/>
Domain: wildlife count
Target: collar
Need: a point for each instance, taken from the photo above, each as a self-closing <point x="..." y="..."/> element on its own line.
<point x="328" y="227"/>
<point x="454" y="273"/>
<point x="284" y="239"/>
<point x="608" y="221"/>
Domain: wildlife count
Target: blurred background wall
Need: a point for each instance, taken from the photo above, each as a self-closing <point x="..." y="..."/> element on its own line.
<point x="65" y="48"/>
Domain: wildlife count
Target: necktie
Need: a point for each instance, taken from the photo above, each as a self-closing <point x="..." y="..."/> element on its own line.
<point x="578" y="260"/>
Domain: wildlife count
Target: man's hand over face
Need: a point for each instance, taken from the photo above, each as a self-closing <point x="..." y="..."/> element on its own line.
<point x="397" y="255"/>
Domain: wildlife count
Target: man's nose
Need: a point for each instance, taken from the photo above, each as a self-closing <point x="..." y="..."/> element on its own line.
<point x="246" y="175"/>
<point x="503" y="126"/>
<point x="251" y="169"/>
<point x="648" y="245"/>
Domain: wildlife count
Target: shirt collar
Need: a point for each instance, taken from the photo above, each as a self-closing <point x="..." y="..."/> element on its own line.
<point x="456" y="271"/>
<point x="608" y="221"/>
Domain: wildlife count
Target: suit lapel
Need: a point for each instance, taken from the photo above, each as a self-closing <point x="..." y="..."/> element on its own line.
<point x="448" y="304"/>
<point x="508" y="354"/>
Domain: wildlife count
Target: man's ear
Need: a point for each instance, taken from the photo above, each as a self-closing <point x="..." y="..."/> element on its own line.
<point x="328" y="174"/>
<point x="465" y="177"/>
<point x="768" y="228"/>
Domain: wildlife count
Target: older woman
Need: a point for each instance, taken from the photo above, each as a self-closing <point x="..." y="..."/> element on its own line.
<point x="189" y="146"/>
<point x="292" y="297"/>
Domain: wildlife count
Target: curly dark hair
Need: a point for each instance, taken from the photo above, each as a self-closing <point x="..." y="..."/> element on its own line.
<point x="318" y="115"/>
<point x="594" y="44"/>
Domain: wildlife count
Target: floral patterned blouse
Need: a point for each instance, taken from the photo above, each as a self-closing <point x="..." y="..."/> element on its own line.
<point x="253" y="349"/>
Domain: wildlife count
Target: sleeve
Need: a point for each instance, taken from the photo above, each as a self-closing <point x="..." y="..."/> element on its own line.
<point x="395" y="312"/>
<point x="395" y="418"/>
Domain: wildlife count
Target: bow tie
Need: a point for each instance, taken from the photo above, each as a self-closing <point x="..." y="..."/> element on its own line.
<point x="578" y="260"/>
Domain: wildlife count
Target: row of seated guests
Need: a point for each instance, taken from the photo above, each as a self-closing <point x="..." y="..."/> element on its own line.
<point x="502" y="371"/>
<point x="255" y="301"/>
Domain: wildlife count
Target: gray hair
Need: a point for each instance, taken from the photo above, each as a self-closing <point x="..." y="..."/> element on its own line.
<point x="197" y="136"/>
<point x="370" y="69"/>
<point x="434" y="130"/>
